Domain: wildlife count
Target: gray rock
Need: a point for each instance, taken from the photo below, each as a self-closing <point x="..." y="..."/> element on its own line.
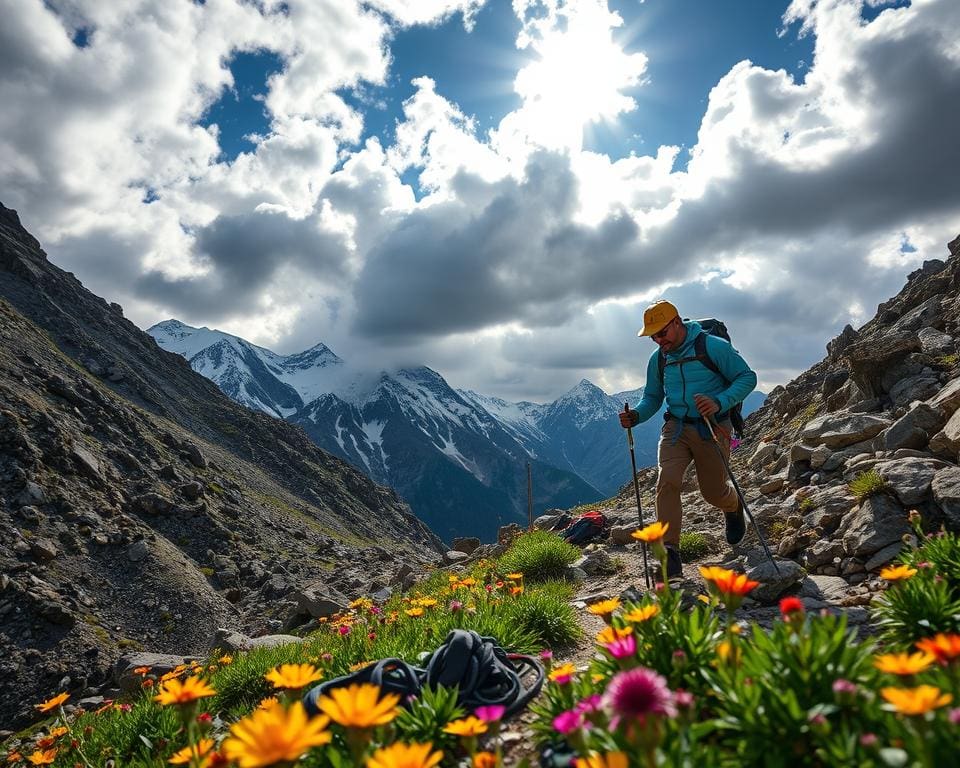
<point x="947" y="440"/>
<point x="820" y="456"/>
<point x="773" y="483"/>
<point x="829" y="589"/>
<point x="772" y="583"/>
<point x="620" y="534"/>
<point x="452" y="556"/>
<point x="914" y="428"/>
<point x="935" y="342"/>
<point x="153" y="504"/>
<point x="159" y="663"/>
<point x="403" y="572"/>
<point x="138" y="551"/>
<point x="319" y="599"/>
<point x="921" y="316"/>
<point x="909" y="478"/>
<point x="765" y="453"/>
<point x="466" y="544"/>
<point x="879" y="521"/>
<point x="913" y="388"/>
<point x="192" y="491"/>
<point x="195" y="455"/>
<point x="948" y="398"/>
<point x="230" y="641"/>
<point x="31" y="494"/>
<point x="843" y="429"/>
<point x="575" y="574"/>
<point x="43" y="550"/>
<point x="946" y="491"/>
<point x="883" y="556"/>
<point x="87" y="464"/>
<point x="596" y="563"/>
<point x="822" y="552"/>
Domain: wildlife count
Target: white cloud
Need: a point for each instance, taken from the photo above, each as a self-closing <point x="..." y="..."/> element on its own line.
<point x="526" y="265"/>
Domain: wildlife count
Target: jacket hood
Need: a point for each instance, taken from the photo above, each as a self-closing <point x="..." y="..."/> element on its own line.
<point x="694" y="329"/>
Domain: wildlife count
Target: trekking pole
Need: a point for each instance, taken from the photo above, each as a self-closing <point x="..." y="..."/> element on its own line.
<point x="743" y="501"/>
<point x="636" y="490"/>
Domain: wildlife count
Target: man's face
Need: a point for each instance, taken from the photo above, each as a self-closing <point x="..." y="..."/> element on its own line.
<point x="668" y="337"/>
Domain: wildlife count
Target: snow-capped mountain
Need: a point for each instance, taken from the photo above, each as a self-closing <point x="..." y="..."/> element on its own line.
<point x="461" y="469"/>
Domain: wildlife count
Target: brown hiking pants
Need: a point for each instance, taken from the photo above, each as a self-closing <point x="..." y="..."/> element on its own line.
<point x="674" y="456"/>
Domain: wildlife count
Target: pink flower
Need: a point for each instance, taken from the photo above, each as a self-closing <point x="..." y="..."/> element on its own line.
<point x="588" y="705"/>
<point x="376" y="610"/>
<point x="841" y="687"/>
<point x="456" y="606"/>
<point x="868" y="739"/>
<point x="683" y="699"/>
<point x="638" y="693"/>
<point x="567" y="721"/>
<point x="326" y="656"/>
<point x="954" y="716"/>
<point x="623" y="647"/>
<point x="546" y="654"/>
<point x="734" y="443"/>
<point x="344" y="630"/>
<point x="490" y="713"/>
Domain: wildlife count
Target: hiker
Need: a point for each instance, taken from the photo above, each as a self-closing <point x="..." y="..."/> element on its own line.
<point x="693" y="392"/>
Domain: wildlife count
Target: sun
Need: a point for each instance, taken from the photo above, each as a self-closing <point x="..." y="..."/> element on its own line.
<point x="579" y="77"/>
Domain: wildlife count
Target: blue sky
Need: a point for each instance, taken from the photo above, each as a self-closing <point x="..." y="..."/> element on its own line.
<point x="494" y="189"/>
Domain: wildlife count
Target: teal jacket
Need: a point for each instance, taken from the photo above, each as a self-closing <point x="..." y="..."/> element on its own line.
<point x="681" y="382"/>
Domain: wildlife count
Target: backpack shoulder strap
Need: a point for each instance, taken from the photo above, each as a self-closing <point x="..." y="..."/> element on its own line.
<point x="700" y="349"/>
<point x="661" y="364"/>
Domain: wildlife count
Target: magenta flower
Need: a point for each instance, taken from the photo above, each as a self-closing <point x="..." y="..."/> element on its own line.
<point x="954" y="716"/>
<point x="638" y="693"/>
<point x="546" y="654"/>
<point x="567" y="721"/>
<point x="588" y="705"/>
<point x="490" y="713"/>
<point x="344" y="630"/>
<point x="843" y="687"/>
<point x="456" y="606"/>
<point x="623" y="647"/>
<point x="868" y="739"/>
<point x="683" y="699"/>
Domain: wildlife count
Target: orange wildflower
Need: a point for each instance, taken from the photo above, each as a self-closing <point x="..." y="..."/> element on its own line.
<point x="466" y="726"/>
<point x="604" y="607"/>
<point x="485" y="760"/>
<point x="904" y="663"/>
<point x="401" y="755"/>
<point x="192" y="752"/>
<point x="609" y="760"/>
<point x="916" y="701"/>
<point x="359" y="706"/>
<point x="191" y="689"/>
<point x="728" y="583"/>
<point x="897" y="572"/>
<point x="293" y="675"/>
<point x="43" y="758"/>
<point x="275" y="735"/>
<point x="652" y="533"/>
<point x="609" y="635"/>
<point x="945" y="647"/>
<point x="53" y="703"/>
<point x="141" y="671"/>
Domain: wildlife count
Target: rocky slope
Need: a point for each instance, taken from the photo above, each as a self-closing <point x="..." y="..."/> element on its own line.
<point x="142" y="508"/>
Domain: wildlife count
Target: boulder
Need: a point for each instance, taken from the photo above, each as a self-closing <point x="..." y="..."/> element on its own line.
<point x="913" y="388"/>
<point x="909" y="478"/>
<point x="621" y="534"/>
<point x="948" y="398"/>
<point x="318" y="600"/>
<point x="466" y="544"/>
<point x="947" y="440"/>
<point x="229" y="641"/>
<point x="452" y="556"/>
<point x="86" y="463"/>
<point x="919" y="317"/>
<point x="774" y="583"/>
<point x="596" y="563"/>
<point x="137" y="551"/>
<point x="843" y="429"/>
<point x="880" y="520"/>
<point x="159" y="664"/>
<point x="766" y="452"/>
<point x="883" y="556"/>
<point x="935" y="342"/>
<point x="946" y="492"/>
<point x="870" y="358"/>
<point x="914" y="428"/>
<point x="822" y="553"/>
<point x="829" y="589"/>
<point x="195" y="455"/>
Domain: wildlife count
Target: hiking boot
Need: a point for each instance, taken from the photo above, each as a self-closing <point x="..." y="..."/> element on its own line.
<point x="674" y="563"/>
<point x="736" y="526"/>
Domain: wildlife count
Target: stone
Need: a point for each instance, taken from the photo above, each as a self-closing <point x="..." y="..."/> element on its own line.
<point x="868" y="360"/>
<point x="820" y="456"/>
<point x="833" y="381"/>
<point x="946" y="491"/>
<point x="575" y="574"/>
<point x="773" y="483"/>
<point x="914" y="428"/>
<point x="319" y="600"/>
<point x="466" y="544"/>
<point x="452" y="557"/>
<point x="153" y="504"/>
<point x="195" y="455"/>
<point x="947" y="440"/>
<point x="880" y="520"/>
<point x="822" y="552"/>
<point x="800" y="452"/>
<point x="43" y="550"/>
<point x="843" y="429"/>
<point x="87" y="464"/>
<point x="403" y="572"/>
<point x="920" y="316"/>
<point x="829" y="589"/>
<point x="229" y="641"/>
<point x="138" y="551"/>
<point x="883" y="556"/>
<point x="621" y="534"/>
<point x="765" y="453"/>
<point x="948" y="398"/>
<point x="192" y="491"/>
<point x="31" y="494"/>
<point x="596" y="563"/>
<point x="507" y="533"/>
<point x="935" y="342"/>
<point x="918" y="387"/>
<point x="159" y="663"/>
<point x="772" y="583"/>
<point x="909" y="478"/>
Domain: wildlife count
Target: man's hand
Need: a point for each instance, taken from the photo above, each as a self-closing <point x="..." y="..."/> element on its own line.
<point x="706" y="405"/>
<point x="629" y="419"/>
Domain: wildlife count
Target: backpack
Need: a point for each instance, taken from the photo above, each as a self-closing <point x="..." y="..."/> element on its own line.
<point x="586" y="527"/>
<point x="715" y="328"/>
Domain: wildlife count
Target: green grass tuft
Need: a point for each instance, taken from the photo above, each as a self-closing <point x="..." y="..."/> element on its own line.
<point x="539" y="556"/>
<point x="867" y="484"/>
<point x="693" y="545"/>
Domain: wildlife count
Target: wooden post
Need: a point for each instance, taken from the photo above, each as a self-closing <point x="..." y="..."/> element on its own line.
<point x="529" y="497"/>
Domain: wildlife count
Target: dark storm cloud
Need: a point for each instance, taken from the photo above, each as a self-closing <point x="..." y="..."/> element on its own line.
<point x="243" y="254"/>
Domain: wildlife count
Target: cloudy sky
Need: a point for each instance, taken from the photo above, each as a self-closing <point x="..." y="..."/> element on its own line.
<point x="495" y="189"/>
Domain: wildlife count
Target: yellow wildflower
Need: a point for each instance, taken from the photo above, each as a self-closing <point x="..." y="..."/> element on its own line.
<point x="43" y="758"/>
<point x="466" y="726"/>
<point x="609" y="635"/>
<point x="360" y="706"/>
<point x="274" y="735"/>
<point x="400" y="755"/>
<point x="191" y="689"/>
<point x="604" y="607"/>
<point x="904" y="663"/>
<point x="642" y="614"/>
<point x="609" y="760"/>
<point x="897" y="572"/>
<point x="293" y="675"/>
<point x="191" y="753"/>
<point x="414" y="613"/>
<point x="652" y="533"/>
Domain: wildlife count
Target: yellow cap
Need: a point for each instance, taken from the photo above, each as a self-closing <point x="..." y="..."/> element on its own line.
<point x="656" y="316"/>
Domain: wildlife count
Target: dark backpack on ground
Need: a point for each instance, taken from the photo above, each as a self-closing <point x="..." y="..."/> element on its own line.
<point x="715" y="328"/>
<point x="588" y="526"/>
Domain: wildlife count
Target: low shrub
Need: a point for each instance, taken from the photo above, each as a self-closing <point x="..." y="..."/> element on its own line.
<point x="693" y="545"/>
<point x="867" y="484"/>
<point x="539" y="556"/>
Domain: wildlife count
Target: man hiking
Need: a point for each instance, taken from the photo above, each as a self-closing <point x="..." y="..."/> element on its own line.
<point x="693" y="392"/>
